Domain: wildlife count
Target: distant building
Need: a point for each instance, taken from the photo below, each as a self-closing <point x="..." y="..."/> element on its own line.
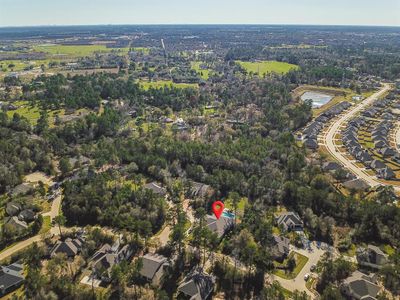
<point x="11" y="278"/>
<point x="153" y="268"/>
<point x="290" y="221"/>
<point x="197" y="285"/>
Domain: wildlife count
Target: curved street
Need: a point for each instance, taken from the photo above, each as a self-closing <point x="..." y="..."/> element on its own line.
<point x="54" y="211"/>
<point x="334" y="129"/>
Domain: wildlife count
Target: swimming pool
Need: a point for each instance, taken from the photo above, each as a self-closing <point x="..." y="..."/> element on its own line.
<point x="228" y="214"/>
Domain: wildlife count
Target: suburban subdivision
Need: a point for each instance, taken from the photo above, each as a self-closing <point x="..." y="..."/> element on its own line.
<point x="200" y="162"/>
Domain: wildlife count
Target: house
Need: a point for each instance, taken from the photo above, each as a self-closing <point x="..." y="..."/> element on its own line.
<point x="13" y="209"/>
<point x="198" y="189"/>
<point x="372" y="257"/>
<point x="21" y="189"/>
<point x="17" y="224"/>
<point x="197" y="285"/>
<point x="330" y="166"/>
<point x="380" y="144"/>
<point x="106" y="257"/>
<point x="27" y="215"/>
<point x="11" y="278"/>
<point x="387" y="152"/>
<point x="386" y="173"/>
<point x="360" y="286"/>
<point x="290" y="221"/>
<point x="70" y="247"/>
<point x="157" y="189"/>
<point x="356" y="184"/>
<point x="377" y="164"/>
<point x="311" y="144"/>
<point x="219" y="226"/>
<point x="280" y="249"/>
<point x="153" y="267"/>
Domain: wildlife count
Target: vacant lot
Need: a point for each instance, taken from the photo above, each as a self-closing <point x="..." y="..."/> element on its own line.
<point x="268" y="66"/>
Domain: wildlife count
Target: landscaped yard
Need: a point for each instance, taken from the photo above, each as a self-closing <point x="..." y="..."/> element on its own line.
<point x="301" y="261"/>
<point x="267" y="66"/>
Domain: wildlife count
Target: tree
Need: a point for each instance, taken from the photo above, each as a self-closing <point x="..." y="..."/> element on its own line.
<point x="65" y="165"/>
<point x="42" y="125"/>
<point x="60" y="220"/>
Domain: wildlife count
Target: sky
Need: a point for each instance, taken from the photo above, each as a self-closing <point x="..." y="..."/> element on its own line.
<point x="92" y="12"/>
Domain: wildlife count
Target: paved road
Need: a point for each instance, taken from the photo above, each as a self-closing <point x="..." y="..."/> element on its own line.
<point x="299" y="283"/>
<point x="55" y="208"/>
<point x="334" y="128"/>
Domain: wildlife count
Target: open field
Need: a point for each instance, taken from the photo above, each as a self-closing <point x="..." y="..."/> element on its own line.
<point x="204" y="73"/>
<point x="77" y="50"/>
<point x="268" y="66"/>
<point x="32" y="113"/>
<point x="161" y="83"/>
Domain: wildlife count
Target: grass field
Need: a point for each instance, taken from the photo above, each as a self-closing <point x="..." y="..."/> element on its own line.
<point x="32" y="113"/>
<point x="301" y="261"/>
<point x="268" y="66"/>
<point x="204" y="73"/>
<point x="46" y="226"/>
<point x="77" y="50"/>
<point x="159" y="84"/>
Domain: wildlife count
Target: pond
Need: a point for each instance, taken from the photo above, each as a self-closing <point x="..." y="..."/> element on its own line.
<point x="318" y="99"/>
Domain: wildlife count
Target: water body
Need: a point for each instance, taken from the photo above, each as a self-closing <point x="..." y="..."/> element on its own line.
<point x="318" y="99"/>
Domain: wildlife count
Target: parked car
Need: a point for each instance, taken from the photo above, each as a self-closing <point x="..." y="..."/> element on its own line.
<point x="306" y="277"/>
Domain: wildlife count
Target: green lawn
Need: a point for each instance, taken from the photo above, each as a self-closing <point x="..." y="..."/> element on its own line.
<point x="32" y="113"/>
<point x="161" y="83"/>
<point x="301" y="261"/>
<point x="204" y="73"/>
<point x="46" y="226"/>
<point x="268" y="66"/>
<point x="77" y="50"/>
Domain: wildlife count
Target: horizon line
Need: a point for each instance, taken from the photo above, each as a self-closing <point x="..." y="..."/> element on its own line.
<point x="198" y="24"/>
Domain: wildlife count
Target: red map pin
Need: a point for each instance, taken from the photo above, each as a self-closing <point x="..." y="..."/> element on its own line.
<point x="218" y="208"/>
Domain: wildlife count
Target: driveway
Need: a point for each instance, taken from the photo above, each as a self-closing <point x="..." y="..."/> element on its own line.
<point x="299" y="283"/>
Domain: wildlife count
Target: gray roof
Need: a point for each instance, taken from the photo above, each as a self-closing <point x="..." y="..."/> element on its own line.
<point x="197" y="285"/>
<point x="156" y="188"/>
<point x="289" y="219"/>
<point x="69" y="247"/>
<point x="151" y="264"/>
<point x="280" y="246"/>
<point x="356" y="184"/>
<point x="361" y="285"/>
<point x="13" y="208"/>
<point x="10" y="277"/>
<point x="219" y="226"/>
